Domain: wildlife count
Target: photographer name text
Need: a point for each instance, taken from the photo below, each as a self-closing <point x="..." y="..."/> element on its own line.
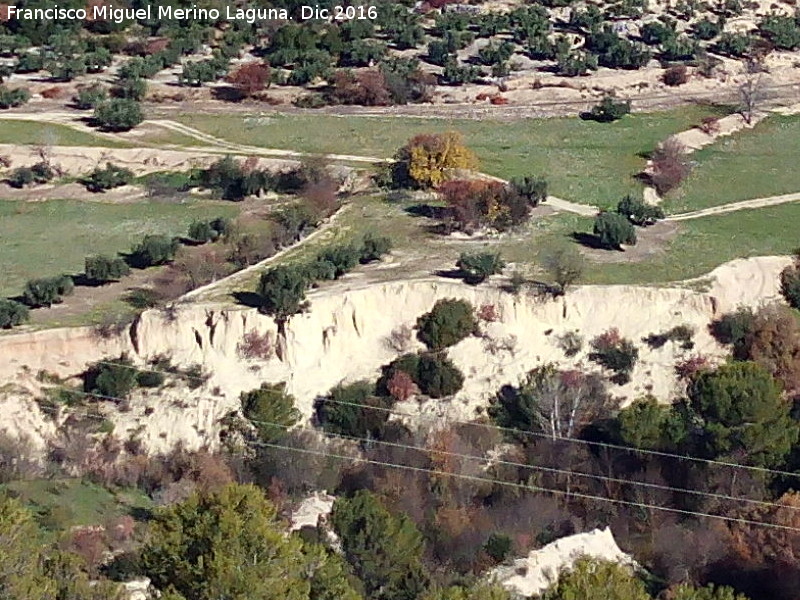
<point x="119" y="15"/>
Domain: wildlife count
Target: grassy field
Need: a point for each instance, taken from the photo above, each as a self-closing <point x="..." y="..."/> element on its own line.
<point x="63" y="503"/>
<point x="48" y="238"/>
<point x="53" y="134"/>
<point x="705" y="243"/>
<point x="699" y="246"/>
<point x="583" y="161"/>
<point x="751" y="164"/>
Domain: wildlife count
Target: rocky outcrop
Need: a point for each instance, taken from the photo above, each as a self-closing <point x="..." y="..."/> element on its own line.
<point x="532" y="575"/>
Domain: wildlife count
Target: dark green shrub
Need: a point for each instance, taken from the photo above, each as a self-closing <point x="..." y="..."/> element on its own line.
<point x="498" y="546"/>
<point x="119" y="114"/>
<point x="10" y="98"/>
<point x="790" y="285"/>
<point x="609" y="110"/>
<point x="783" y="31"/>
<point x="434" y="374"/>
<point x="679" y="333"/>
<point x="47" y="291"/>
<point x="29" y="62"/>
<point x="90" y="96"/>
<point x="282" y="291"/>
<point x="706" y="29"/>
<point x="150" y="379"/>
<point x="271" y="410"/>
<point x="533" y="189"/>
<point x="111" y="379"/>
<point x="437" y="376"/>
<point x="132" y="89"/>
<point x="477" y="266"/>
<point x="153" y="250"/>
<point x="449" y="322"/>
<point x="109" y="177"/>
<point x="202" y="231"/>
<point x="458" y="74"/>
<point x="21" y="177"/>
<point x="639" y="213"/>
<point x="613" y="230"/>
<point x="12" y="313"/>
<point x="656" y="32"/>
<point x="734" y="44"/>
<point x="343" y="258"/>
<point x="616" y="354"/>
<point x="374" y="248"/>
<point x="354" y="410"/>
<point x="41" y="172"/>
<point x="103" y="269"/>
<point x="734" y="327"/>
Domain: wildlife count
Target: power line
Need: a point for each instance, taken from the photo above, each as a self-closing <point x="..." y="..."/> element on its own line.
<point x="473" y="457"/>
<point x="534" y="434"/>
<point x="552" y="470"/>
<point x="533" y="488"/>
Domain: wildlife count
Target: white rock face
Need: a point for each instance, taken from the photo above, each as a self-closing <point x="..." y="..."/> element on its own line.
<point x="311" y="510"/>
<point x="343" y="338"/>
<point x="532" y="575"/>
<point x="138" y="589"/>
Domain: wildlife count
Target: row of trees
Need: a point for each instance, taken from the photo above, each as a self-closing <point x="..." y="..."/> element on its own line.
<point x="281" y="290"/>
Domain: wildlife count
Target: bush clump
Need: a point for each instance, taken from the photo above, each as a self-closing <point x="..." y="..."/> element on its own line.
<point x="12" y="313"/>
<point x="448" y="322"/>
<point x="282" y="291"/>
<point x="613" y="230"/>
<point x="112" y="379"/>
<point x="271" y="410"/>
<point x="374" y="248"/>
<point x="354" y="410"/>
<point x="209" y="231"/>
<point x="103" y="269"/>
<point x="88" y="97"/>
<point x="47" y="291"/>
<point x="426" y="159"/>
<point x="608" y="110"/>
<point x="616" y="354"/>
<point x="10" y="98"/>
<point x="638" y="212"/>
<point x="41" y="172"/>
<point x="790" y="284"/>
<point x="109" y="177"/>
<point x="433" y="373"/>
<point x="477" y="266"/>
<point x="153" y="250"/>
<point x="118" y="114"/>
<point x="670" y="166"/>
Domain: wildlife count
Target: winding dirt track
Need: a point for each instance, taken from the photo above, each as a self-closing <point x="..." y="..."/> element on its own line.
<point x="216" y="146"/>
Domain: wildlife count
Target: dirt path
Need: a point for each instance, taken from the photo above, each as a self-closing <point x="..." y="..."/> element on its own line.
<point x="233" y="278"/>
<point x="220" y="144"/>
<point x="734" y="206"/>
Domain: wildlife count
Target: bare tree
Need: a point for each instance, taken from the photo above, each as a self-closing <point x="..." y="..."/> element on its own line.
<point x="556" y="402"/>
<point x="565" y="265"/>
<point x="751" y="91"/>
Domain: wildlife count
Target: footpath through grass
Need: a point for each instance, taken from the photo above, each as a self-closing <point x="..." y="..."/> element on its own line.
<point x="42" y="239"/>
<point x="756" y="163"/>
<point x="583" y="161"/>
<point x="703" y="244"/>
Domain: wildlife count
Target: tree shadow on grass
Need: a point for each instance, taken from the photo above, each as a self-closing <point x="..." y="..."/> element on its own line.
<point x="429" y="211"/>
<point x="250" y="299"/>
<point x="588" y="240"/>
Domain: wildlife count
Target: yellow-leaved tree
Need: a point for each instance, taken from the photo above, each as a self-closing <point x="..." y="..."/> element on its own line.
<point x="427" y="159"/>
